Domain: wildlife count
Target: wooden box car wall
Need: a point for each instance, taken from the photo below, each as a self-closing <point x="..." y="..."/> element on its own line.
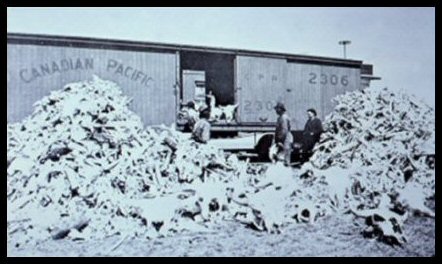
<point x="150" y="78"/>
<point x="147" y="77"/>
<point x="261" y="82"/>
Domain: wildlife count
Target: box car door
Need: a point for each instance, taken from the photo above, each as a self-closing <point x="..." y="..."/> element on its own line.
<point x="314" y="86"/>
<point x="194" y="88"/>
<point x="260" y="83"/>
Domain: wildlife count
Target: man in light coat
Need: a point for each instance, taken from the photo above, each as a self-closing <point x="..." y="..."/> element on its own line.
<point x="283" y="134"/>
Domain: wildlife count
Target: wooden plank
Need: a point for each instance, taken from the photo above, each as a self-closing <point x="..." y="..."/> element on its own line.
<point x="149" y="78"/>
<point x="178" y="83"/>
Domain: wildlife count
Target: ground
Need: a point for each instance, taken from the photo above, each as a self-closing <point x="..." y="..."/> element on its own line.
<point x="329" y="236"/>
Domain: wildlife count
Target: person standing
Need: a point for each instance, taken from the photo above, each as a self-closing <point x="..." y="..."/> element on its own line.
<point x="312" y="130"/>
<point x="283" y="134"/>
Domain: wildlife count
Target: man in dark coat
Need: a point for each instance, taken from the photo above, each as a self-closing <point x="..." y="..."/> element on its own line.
<point x="312" y="130"/>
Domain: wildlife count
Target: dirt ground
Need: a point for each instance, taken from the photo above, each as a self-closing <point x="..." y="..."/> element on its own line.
<point x="330" y="236"/>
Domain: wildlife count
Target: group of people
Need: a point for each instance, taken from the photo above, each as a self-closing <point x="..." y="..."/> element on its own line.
<point x="197" y="122"/>
<point x="284" y="138"/>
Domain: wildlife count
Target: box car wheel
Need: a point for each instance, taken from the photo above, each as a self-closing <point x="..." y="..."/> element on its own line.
<point x="263" y="146"/>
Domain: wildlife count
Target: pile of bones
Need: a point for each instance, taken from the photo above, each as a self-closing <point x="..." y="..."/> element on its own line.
<point x="221" y="112"/>
<point x="83" y="166"/>
<point x="378" y="155"/>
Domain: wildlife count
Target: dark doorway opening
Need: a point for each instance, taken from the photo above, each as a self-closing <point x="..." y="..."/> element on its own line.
<point x="219" y="73"/>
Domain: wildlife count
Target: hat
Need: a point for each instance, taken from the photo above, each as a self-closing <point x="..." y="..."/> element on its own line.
<point x="312" y="110"/>
<point x="190" y="104"/>
<point x="279" y="105"/>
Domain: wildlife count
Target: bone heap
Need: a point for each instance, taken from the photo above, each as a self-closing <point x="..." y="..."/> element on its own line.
<point x="84" y="160"/>
<point x="379" y="153"/>
<point x="83" y="167"/>
<point x="221" y="113"/>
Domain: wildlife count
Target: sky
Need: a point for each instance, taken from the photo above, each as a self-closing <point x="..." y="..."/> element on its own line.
<point x="399" y="42"/>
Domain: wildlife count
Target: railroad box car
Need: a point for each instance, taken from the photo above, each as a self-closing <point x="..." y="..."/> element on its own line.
<point x="160" y="77"/>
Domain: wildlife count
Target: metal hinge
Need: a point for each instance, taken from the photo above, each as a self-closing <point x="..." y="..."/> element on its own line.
<point x="263" y="119"/>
